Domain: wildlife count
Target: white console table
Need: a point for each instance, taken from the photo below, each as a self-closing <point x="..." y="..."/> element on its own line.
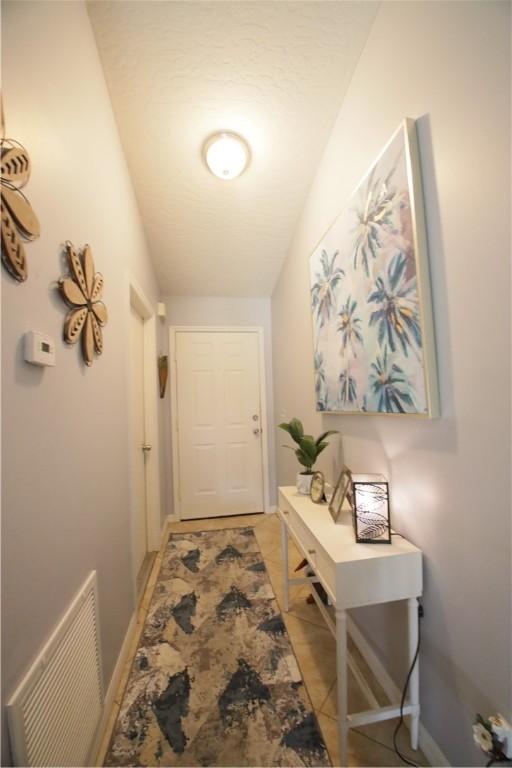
<point x="353" y="575"/>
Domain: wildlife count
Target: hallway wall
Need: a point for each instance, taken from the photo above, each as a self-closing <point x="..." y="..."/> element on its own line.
<point x="65" y="477"/>
<point x="213" y="310"/>
<point x="447" y="65"/>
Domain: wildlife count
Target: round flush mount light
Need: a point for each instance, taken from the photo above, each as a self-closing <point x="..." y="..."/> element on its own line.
<point x="226" y="155"/>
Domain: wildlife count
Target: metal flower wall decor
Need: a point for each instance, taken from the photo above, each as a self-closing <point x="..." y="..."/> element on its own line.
<point x="82" y="291"/>
<point x="19" y="221"/>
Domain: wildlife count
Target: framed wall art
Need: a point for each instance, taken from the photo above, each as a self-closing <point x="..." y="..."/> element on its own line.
<point x="370" y="295"/>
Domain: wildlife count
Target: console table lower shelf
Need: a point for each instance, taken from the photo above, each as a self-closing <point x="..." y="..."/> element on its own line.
<point x="353" y="575"/>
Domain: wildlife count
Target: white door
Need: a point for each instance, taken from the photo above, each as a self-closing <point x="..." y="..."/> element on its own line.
<point x="139" y="525"/>
<point x="219" y="424"/>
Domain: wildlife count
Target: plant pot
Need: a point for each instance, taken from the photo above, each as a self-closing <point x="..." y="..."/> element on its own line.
<point x="303" y="483"/>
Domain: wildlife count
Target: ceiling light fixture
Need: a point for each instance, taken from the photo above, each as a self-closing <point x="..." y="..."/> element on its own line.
<point x="226" y="155"/>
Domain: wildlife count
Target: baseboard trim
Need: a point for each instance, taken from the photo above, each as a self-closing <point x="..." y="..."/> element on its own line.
<point x="427" y="744"/>
<point x="108" y="702"/>
<point x="431" y="750"/>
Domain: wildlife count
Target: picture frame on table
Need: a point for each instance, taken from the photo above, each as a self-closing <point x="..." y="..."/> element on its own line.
<point x="343" y="496"/>
<point x="317" y="491"/>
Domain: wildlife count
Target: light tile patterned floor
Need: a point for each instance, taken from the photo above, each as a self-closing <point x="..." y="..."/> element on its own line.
<point x="314" y="647"/>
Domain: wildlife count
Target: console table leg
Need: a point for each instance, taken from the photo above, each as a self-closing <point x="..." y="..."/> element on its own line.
<point x="284" y="560"/>
<point x="414" y="682"/>
<point x="342" y="672"/>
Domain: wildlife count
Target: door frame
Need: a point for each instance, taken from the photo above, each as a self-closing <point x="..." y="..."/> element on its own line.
<point x="258" y="330"/>
<point x="136" y="298"/>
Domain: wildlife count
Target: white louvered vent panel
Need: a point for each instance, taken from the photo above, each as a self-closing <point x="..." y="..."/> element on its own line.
<point x="55" y="711"/>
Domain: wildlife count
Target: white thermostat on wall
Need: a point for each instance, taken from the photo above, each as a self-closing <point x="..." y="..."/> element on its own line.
<point x="39" y="349"/>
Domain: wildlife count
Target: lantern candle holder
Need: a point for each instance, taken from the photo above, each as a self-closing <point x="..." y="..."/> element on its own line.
<point x="372" y="524"/>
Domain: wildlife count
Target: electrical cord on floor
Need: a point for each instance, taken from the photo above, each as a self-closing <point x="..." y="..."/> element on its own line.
<point x="376" y="741"/>
<point x="404" y="694"/>
<point x="395" y="748"/>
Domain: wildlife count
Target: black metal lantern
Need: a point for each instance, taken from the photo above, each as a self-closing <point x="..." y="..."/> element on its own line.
<point x="371" y="509"/>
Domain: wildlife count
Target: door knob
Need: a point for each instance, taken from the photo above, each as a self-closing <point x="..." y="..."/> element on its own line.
<point x="146" y="447"/>
<point x="256" y="431"/>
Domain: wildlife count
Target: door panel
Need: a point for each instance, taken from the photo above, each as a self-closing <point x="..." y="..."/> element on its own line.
<point x="139" y="532"/>
<point x="220" y="457"/>
<point x="236" y="474"/>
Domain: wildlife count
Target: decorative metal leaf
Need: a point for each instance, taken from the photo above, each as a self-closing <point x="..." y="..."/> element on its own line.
<point x="15" y="165"/>
<point x="372" y="526"/>
<point x="18" y="218"/>
<point x="76" y="268"/>
<point x="373" y="531"/>
<point x="97" y="288"/>
<point x="88" y="263"/>
<point x="74" y="324"/>
<point x="22" y="213"/>
<point x="13" y="252"/>
<point x="88" y="340"/>
<point x="100" y="311"/>
<point x="98" y="336"/>
<point x="71" y="292"/>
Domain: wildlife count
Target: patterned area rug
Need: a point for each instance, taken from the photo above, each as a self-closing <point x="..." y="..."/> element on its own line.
<point x="214" y="681"/>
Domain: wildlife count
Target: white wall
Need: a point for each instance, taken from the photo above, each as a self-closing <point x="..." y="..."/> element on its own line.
<point x="203" y="310"/>
<point x="448" y="65"/>
<point x="65" y="471"/>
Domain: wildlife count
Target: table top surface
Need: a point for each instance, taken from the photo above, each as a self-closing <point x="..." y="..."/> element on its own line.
<point x="338" y="539"/>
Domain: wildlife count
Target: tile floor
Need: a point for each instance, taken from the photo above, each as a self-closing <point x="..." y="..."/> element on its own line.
<point x="314" y="647"/>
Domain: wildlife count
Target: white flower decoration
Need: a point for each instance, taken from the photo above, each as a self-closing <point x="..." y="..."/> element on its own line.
<point x="482" y="737"/>
<point x="503" y="731"/>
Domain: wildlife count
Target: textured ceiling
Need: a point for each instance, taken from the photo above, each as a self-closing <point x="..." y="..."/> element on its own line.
<point x="275" y="72"/>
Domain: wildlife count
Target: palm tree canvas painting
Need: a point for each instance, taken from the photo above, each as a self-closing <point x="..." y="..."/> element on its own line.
<point x="370" y="295"/>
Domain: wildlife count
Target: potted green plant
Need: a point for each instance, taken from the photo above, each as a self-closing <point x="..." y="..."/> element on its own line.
<point x="308" y="451"/>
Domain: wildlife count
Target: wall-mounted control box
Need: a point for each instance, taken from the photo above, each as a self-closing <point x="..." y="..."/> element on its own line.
<point x="39" y="349"/>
